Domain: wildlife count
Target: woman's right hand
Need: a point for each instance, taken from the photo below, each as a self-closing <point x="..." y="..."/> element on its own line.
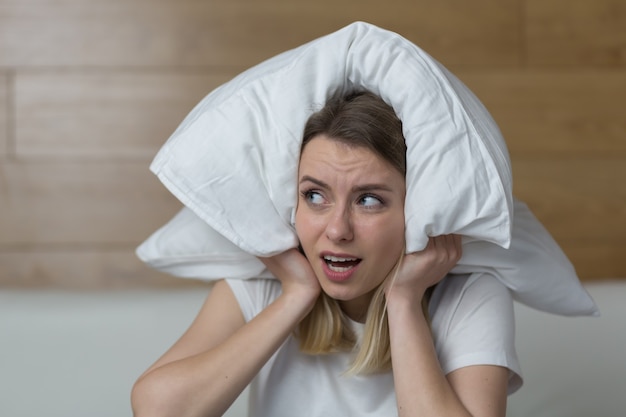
<point x="294" y="272"/>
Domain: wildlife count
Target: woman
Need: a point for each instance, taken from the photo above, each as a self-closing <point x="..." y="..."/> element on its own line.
<point x="345" y="330"/>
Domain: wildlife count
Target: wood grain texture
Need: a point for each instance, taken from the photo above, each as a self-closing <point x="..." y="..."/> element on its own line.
<point x="556" y="112"/>
<point x="4" y="115"/>
<point x="111" y="203"/>
<point x="596" y="260"/>
<point x="104" y="114"/>
<point x="579" y="200"/>
<point x="581" y="203"/>
<point x="577" y="33"/>
<point x="90" y="89"/>
<point x="82" y="269"/>
<point x="241" y="33"/>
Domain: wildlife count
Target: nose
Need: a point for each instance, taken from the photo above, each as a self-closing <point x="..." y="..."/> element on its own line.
<point x="339" y="226"/>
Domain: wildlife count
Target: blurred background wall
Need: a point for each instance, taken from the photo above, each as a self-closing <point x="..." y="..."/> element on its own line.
<point x="90" y="89"/>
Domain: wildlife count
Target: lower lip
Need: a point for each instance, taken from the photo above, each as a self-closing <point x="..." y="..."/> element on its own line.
<point x="336" y="276"/>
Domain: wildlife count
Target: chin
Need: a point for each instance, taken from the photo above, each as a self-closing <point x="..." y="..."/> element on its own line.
<point x="344" y="292"/>
<point x="338" y="293"/>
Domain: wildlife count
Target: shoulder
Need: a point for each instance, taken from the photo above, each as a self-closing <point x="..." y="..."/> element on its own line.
<point x="253" y="295"/>
<point x="469" y="291"/>
<point x="462" y="303"/>
<point x="473" y="323"/>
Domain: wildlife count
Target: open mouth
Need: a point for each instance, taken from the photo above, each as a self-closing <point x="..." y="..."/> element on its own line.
<point x="338" y="264"/>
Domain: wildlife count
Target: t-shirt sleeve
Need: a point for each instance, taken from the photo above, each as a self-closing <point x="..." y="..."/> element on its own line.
<point x="253" y="295"/>
<point x="473" y="323"/>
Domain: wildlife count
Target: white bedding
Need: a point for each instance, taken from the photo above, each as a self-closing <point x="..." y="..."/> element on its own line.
<point x="65" y="354"/>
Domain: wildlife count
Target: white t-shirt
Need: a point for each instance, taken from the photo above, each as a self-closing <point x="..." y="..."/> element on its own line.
<point x="472" y="323"/>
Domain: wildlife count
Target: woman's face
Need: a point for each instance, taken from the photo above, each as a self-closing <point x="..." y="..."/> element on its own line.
<point x="349" y="219"/>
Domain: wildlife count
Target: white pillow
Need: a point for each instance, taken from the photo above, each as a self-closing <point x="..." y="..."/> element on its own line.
<point x="534" y="267"/>
<point x="233" y="162"/>
<point x="234" y="159"/>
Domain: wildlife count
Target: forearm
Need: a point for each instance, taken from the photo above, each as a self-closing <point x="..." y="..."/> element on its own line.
<point x="421" y="387"/>
<point x="207" y="383"/>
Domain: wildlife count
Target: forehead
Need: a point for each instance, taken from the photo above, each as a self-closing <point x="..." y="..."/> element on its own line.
<point x="325" y="156"/>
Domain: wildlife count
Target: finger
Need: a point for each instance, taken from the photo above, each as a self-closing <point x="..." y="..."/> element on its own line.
<point x="430" y="245"/>
<point x="458" y="241"/>
<point x="454" y="246"/>
<point x="448" y="246"/>
<point x="442" y="248"/>
<point x="444" y="243"/>
<point x="453" y="241"/>
<point x="434" y="245"/>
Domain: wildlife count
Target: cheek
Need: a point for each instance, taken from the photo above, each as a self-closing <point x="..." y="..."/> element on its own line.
<point x="301" y="232"/>
<point x="305" y="229"/>
<point x="391" y="239"/>
<point x="308" y="232"/>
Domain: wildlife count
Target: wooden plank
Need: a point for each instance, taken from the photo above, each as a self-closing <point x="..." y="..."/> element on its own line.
<point x="71" y="114"/>
<point x="595" y="260"/>
<point x="578" y="200"/>
<point x="241" y="33"/>
<point x="103" y="113"/>
<point x="576" y="33"/>
<point x="82" y="269"/>
<point x="93" y="202"/>
<point x="4" y="114"/>
<point x="556" y="112"/>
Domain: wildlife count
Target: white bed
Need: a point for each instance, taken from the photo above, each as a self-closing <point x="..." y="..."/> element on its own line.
<point x="71" y="354"/>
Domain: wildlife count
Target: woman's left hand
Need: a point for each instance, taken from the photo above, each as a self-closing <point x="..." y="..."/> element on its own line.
<point x="419" y="270"/>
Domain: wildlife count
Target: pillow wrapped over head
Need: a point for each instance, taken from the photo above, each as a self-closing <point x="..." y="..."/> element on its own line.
<point x="233" y="163"/>
<point x="234" y="159"/>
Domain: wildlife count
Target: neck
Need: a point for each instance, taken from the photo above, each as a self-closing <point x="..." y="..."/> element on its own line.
<point x="356" y="309"/>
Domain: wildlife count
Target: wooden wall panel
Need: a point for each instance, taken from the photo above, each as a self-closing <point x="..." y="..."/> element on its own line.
<point x="240" y="33"/>
<point x="82" y="268"/>
<point x="103" y="114"/>
<point x="597" y="260"/>
<point x="581" y="200"/>
<point x="567" y="112"/>
<point x="4" y="114"/>
<point x="107" y="203"/>
<point x="89" y="90"/>
<point x="579" y="33"/>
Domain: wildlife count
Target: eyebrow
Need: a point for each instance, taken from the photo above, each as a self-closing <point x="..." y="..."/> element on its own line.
<point x="359" y="188"/>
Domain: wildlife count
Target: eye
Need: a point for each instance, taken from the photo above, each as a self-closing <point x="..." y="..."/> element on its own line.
<point x="370" y="201"/>
<point x="313" y="197"/>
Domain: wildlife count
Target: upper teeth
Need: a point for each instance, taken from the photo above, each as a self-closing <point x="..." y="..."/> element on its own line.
<point x="336" y="259"/>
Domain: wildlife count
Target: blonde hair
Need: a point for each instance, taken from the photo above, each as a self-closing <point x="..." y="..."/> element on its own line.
<point x="326" y="330"/>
